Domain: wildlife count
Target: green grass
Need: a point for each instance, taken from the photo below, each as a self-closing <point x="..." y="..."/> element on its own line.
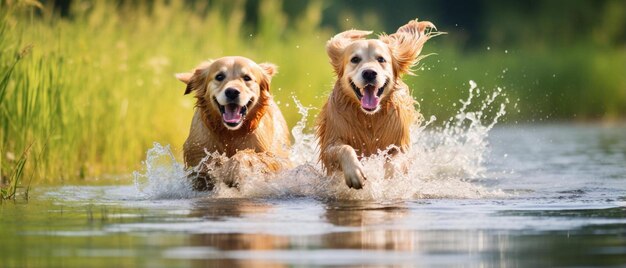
<point x="97" y="87"/>
<point x="15" y="177"/>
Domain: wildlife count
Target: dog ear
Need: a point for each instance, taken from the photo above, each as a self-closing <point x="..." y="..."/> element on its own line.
<point x="196" y="79"/>
<point x="406" y="44"/>
<point x="336" y="45"/>
<point x="184" y="77"/>
<point x="269" y="69"/>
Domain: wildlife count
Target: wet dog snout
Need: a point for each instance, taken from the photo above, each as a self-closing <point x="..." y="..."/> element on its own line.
<point x="369" y="75"/>
<point x="231" y="93"/>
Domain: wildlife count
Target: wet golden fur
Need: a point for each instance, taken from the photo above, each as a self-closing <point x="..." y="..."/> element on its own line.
<point x="346" y="131"/>
<point x="261" y="138"/>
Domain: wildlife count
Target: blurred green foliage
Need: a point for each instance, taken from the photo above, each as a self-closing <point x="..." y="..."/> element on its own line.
<point x="97" y="87"/>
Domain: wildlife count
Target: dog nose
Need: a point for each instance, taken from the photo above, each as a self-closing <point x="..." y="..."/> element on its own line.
<point x="369" y="75"/>
<point x="231" y="93"/>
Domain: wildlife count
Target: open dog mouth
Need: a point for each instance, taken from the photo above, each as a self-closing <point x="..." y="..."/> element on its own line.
<point x="233" y="114"/>
<point x="370" y="96"/>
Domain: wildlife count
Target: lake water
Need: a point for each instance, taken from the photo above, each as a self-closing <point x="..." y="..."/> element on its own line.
<point x="546" y="195"/>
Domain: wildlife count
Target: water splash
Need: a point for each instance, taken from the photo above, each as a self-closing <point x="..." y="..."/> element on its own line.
<point x="441" y="163"/>
<point x="163" y="177"/>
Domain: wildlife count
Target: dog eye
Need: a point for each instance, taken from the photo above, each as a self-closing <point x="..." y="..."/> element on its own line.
<point x="381" y="59"/>
<point x="246" y="78"/>
<point x="355" y="59"/>
<point x="220" y="77"/>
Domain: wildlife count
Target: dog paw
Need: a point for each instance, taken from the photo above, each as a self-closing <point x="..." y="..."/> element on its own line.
<point x="354" y="177"/>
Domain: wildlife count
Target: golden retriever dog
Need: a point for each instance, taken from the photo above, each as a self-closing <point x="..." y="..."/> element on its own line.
<point x="370" y="108"/>
<point x="236" y="116"/>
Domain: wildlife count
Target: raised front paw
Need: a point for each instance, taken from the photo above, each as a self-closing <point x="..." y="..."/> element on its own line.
<point x="354" y="176"/>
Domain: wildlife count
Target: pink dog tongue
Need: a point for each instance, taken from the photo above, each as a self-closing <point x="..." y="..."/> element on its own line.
<point x="369" y="100"/>
<point x="232" y="113"/>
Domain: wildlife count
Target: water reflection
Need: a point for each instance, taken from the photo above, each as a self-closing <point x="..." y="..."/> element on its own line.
<point x="376" y="223"/>
<point x="214" y="249"/>
<point x="222" y="209"/>
<point x="355" y="226"/>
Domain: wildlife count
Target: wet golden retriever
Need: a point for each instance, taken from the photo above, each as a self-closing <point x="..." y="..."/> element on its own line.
<point x="236" y="116"/>
<point x="370" y="108"/>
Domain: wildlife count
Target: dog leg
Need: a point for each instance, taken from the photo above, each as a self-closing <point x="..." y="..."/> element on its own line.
<point x="395" y="165"/>
<point x="236" y="168"/>
<point x="391" y="170"/>
<point x="249" y="163"/>
<point x="350" y="165"/>
<point x="202" y="176"/>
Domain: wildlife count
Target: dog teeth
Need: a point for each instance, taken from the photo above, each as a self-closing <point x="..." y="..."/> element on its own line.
<point x="219" y="106"/>
<point x="382" y="89"/>
<point x="356" y="90"/>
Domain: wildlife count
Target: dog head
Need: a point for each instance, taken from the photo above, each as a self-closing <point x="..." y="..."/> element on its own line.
<point x="230" y="86"/>
<point x="367" y="69"/>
